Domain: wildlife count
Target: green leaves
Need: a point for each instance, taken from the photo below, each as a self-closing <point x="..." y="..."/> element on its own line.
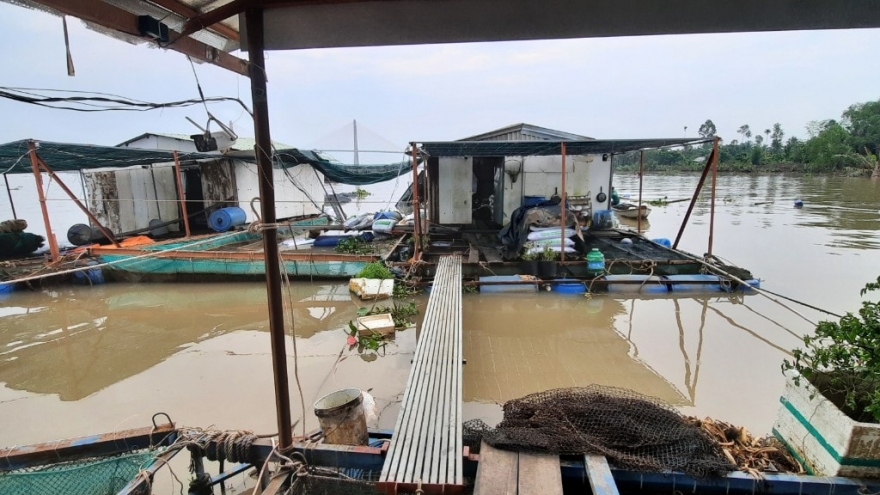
<point x="843" y="359"/>
<point x="376" y="269"/>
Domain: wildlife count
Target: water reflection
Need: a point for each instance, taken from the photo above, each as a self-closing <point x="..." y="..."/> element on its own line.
<point x="74" y="342"/>
<point x="516" y="344"/>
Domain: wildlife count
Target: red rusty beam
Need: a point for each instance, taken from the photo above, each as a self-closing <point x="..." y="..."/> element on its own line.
<point x="83" y="447"/>
<point x="123" y="21"/>
<point x="38" y="178"/>
<point x="690" y="209"/>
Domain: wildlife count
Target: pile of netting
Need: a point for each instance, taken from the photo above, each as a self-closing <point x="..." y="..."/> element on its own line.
<point x="633" y="431"/>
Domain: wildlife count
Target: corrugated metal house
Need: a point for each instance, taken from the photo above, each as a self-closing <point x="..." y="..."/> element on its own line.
<point x="127" y="199"/>
<point x="490" y="188"/>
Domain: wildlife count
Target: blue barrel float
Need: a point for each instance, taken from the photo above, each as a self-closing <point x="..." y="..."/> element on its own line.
<point x="225" y="218"/>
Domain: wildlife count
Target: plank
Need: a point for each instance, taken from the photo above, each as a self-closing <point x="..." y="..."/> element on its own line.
<point x="491" y="254"/>
<point x="497" y="473"/>
<point x="539" y="474"/>
<point x="599" y="473"/>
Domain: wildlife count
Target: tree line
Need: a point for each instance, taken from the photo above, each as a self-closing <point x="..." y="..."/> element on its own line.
<point x="846" y="146"/>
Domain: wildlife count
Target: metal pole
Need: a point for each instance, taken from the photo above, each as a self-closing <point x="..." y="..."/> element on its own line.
<point x="180" y="195"/>
<point x="641" y="176"/>
<point x="563" y="210"/>
<point x="356" y="160"/>
<point x="687" y="215"/>
<point x="712" y="206"/>
<point x="417" y="214"/>
<point x="104" y="230"/>
<point x="9" y="193"/>
<point x="38" y="177"/>
<point x="259" y="97"/>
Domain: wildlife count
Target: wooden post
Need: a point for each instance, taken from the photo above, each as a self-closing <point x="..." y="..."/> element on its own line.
<point x="641" y="177"/>
<point x="263" y="148"/>
<point x="690" y="209"/>
<point x="38" y="177"/>
<point x="563" y="210"/>
<point x="9" y="193"/>
<point x="714" y="180"/>
<point x="417" y="214"/>
<point x="109" y="235"/>
<point x="180" y="195"/>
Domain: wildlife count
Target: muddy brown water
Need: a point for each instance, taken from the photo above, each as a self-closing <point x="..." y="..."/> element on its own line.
<point x="81" y="360"/>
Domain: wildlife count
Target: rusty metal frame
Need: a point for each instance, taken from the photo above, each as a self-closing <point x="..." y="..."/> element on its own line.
<point x="38" y="178"/>
<point x="123" y="21"/>
<point x="180" y="195"/>
<point x="714" y="182"/>
<point x="417" y="207"/>
<point x="696" y="195"/>
<point x="190" y="13"/>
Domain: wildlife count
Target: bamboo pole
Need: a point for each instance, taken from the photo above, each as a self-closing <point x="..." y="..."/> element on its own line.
<point x="9" y="193"/>
<point x="641" y="177"/>
<point x="417" y="214"/>
<point x="563" y="210"/>
<point x="714" y="181"/>
<point x="38" y="178"/>
<point x="109" y="235"/>
<point x="180" y="195"/>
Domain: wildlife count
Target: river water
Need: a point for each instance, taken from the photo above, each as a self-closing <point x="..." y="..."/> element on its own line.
<point x="80" y="360"/>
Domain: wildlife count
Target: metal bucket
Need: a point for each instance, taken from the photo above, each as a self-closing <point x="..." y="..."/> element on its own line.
<point x="342" y="419"/>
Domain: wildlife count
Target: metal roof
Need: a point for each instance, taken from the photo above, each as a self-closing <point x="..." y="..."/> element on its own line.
<point x="549" y="148"/>
<point x="241" y="144"/>
<point x="526" y="132"/>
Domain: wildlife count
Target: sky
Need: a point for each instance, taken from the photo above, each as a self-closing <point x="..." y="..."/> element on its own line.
<point x="636" y="87"/>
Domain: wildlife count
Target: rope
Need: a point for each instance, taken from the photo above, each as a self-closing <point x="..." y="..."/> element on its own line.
<point x="128" y="260"/>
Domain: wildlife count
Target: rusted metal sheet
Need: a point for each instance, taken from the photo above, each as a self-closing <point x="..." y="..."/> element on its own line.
<point x="218" y="182"/>
<point x="102" y="198"/>
<point x="80" y="448"/>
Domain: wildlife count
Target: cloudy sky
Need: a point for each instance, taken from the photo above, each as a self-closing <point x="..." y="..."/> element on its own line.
<point x="608" y="88"/>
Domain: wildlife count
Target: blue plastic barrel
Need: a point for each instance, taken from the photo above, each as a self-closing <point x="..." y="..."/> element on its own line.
<point x="225" y="218"/>
<point x="568" y="286"/>
<point x="6" y="288"/>
<point x="663" y="241"/>
<point x="533" y="200"/>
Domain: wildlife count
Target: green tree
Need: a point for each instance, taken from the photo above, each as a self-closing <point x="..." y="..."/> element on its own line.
<point x="828" y="147"/>
<point x="759" y="140"/>
<point x="745" y="131"/>
<point x="776" y="138"/>
<point x="707" y="130"/>
<point x="862" y="120"/>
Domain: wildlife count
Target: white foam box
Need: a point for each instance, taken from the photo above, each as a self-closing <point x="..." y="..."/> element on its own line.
<point x="371" y="288"/>
<point x="381" y="324"/>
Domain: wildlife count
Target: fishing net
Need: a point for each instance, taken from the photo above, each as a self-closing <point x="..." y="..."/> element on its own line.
<point x="633" y="431"/>
<point x="342" y="482"/>
<point x="95" y="476"/>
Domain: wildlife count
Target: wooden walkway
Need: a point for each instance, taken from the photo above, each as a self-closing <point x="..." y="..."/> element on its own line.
<point x="504" y="472"/>
<point x="426" y="450"/>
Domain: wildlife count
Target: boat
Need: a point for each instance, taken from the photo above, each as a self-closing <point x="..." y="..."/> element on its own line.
<point x="631" y="211"/>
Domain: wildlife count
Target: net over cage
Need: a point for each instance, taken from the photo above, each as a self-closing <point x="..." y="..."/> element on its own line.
<point x="632" y="430"/>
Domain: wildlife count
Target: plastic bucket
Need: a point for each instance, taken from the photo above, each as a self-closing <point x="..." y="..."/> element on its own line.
<point x="225" y="218"/>
<point x="602" y="220"/>
<point x="342" y="419"/>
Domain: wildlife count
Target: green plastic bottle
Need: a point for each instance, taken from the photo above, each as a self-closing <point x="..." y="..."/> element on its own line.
<point x="595" y="262"/>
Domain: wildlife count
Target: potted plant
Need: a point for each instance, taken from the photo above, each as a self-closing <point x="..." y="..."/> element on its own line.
<point x="547" y="263"/>
<point x="830" y="414"/>
<point x="530" y="257"/>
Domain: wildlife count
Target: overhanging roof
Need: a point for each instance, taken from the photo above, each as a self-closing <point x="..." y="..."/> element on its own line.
<point x="528" y="130"/>
<point x="549" y="148"/>
<point x="343" y="23"/>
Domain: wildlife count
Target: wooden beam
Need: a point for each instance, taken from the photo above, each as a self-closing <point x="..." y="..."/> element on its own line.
<point x="123" y="21"/>
<point x="190" y="13"/>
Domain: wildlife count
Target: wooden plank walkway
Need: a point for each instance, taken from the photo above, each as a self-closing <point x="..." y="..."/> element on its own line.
<point x="426" y="450"/>
<point x="503" y="472"/>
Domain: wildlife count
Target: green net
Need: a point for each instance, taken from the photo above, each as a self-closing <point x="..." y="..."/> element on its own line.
<point x="101" y="476"/>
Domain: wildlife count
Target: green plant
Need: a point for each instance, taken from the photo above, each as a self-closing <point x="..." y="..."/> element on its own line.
<point x="402" y="290"/>
<point x="369" y="342"/>
<point x="842" y="359"/>
<point x="548" y="254"/>
<point x="529" y="252"/>
<point x="470" y="289"/>
<point x="353" y="245"/>
<point x="361" y="193"/>
<point x="376" y="269"/>
<point x="400" y="312"/>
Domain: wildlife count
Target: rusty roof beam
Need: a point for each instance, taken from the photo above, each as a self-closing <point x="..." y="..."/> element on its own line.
<point x="235" y="7"/>
<point x="191" y="13"/>
<point x="123" y="21"/>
